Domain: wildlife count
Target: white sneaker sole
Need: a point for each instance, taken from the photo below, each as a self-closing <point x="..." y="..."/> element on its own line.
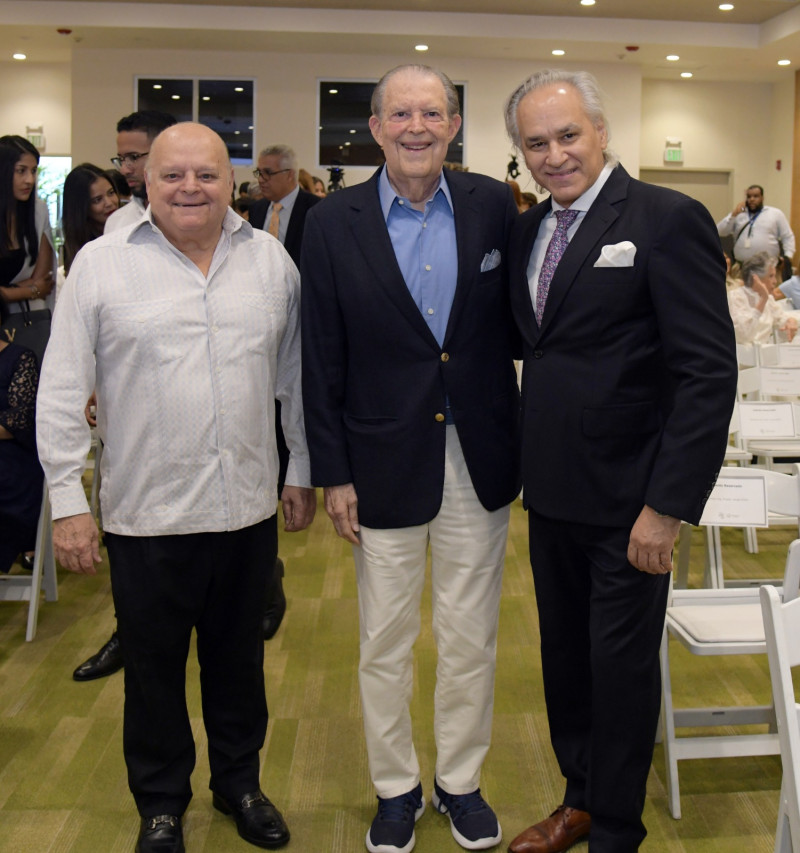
<point x="391" y="848"/>
<point x="466" y="843"/>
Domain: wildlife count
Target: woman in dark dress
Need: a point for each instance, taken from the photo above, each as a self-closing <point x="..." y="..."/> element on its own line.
<point x="21" y="476"/>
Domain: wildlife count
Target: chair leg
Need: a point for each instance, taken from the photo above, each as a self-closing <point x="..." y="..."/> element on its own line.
<point x="668" y="731"/>
<point x="783" y="834"/>
<point x="684" y="547"/>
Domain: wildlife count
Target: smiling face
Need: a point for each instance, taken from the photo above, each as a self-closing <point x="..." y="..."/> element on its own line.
<point x="189" y="184"/>
<point x="103" y="201"/>
<point x="563" y="148"/>
<point x="25" y="177"/>
<point x="414" y="131"/>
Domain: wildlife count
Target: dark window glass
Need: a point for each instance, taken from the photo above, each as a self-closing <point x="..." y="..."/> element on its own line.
<point x="225" y="106"/>
<point x="344" y="135"/>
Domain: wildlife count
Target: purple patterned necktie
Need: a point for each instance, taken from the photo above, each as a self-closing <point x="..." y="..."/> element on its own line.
<point x="555" y="249"/>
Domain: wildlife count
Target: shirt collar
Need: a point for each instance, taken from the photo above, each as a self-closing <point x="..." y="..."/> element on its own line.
<point x="585" y="201"/>
<point x="387" y="193"/>
<point x="289" y="199"/>
<point x="230" y="224"/>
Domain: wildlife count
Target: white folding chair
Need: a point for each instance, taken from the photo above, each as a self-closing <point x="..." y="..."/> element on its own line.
<point x="28" y="587"/>
<point x="782" y="632"/>
<point x="722" y="622"/>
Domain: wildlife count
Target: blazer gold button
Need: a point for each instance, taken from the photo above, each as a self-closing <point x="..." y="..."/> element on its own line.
<point x="439" y="417"/>
<point x="445" y="357"/>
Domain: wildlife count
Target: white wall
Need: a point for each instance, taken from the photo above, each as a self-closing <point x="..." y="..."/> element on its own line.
<point x="286" y="99"/>
<point x="37" y="94"/>
<point x="744" y="127"/>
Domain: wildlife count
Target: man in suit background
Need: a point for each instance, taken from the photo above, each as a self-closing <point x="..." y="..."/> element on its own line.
<point x="412" y="424"/>
<point x="628" y="384"/>
<point x="282" y="213"/>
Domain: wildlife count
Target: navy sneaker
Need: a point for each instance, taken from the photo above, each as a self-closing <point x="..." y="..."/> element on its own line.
<point x="392" y="831"/>
<point x="473" y="823"/>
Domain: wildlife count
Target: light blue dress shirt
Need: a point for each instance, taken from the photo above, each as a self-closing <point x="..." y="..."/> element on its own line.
<point x="425" y="247"/>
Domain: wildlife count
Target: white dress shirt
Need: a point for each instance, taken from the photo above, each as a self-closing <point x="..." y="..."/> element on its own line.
<point x="128" y="214"/>
<point x="187" y="369"/>
<point x="547" y="228"/>
<point x="762" y="235"/>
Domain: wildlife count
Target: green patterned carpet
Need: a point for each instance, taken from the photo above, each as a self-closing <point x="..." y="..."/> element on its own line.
<point x="62" y="777"/>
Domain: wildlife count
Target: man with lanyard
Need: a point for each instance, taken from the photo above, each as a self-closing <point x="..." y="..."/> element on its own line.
<point x="757" y="228"/>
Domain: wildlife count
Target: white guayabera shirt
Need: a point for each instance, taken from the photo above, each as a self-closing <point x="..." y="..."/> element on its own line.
<point x="187" y="370"/>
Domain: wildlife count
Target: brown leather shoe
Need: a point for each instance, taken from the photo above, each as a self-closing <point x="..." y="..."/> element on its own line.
<point x="554" y="834"/>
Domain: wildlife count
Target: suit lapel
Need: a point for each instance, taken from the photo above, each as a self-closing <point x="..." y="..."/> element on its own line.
<point x="599" y="218"/>
<point x="469" y="243"/>
<point x="525" y="314"/>
<point x="370" y="234"/>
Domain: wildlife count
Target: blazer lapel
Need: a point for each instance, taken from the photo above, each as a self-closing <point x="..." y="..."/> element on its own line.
<point x="370" y="234"/>
<point x="599" y="218"/>
<point x="469" y="244"/>
<point x="524" y="311"/>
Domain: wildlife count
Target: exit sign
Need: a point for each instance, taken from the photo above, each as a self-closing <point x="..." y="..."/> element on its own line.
<point x="673" y="155"/>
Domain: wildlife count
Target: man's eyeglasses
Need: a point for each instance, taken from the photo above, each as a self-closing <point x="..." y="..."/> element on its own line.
<point x="119" y="162"/>
<point x="266" y="174"/>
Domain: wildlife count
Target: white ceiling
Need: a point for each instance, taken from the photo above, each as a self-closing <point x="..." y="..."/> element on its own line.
<point x="743" y="44"/>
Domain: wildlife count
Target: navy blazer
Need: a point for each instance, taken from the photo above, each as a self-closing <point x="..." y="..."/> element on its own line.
<point x="375" y="379"/>
<point x="628" y="386"/>
<point x="294" y="231"/>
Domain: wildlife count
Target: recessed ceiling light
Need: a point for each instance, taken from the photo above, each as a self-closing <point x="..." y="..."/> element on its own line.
<point x="206" y="98"/>
<point x="333" y="91"/>
<point x="587" y="2"/>
<point x="784" y="62"/>
<point x="673" y="57"/>
<point x="176" y="97"/>
<point x="558" y="52"/>
<point x="686" y="74"/>
<point x="352" y="131"/>
<point x="19" y="56"/>
<point x="239" y="89"/>
<point x="725" y="7"/>
<point x="421" y="47"/>
<point x="157" y="86"/>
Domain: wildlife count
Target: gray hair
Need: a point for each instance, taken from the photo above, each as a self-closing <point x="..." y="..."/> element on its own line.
<point x="288" y="159"/>
<point x="586" y="86"/>
<point x="453" y="108"/>
<point x="759" y="264"/>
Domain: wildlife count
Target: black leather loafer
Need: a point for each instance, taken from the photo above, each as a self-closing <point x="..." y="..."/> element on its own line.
<point x="257" y="820"/>
<point x="106" y="661"/>
<point x="162" y="834"/>
<point x="275" y="606"/>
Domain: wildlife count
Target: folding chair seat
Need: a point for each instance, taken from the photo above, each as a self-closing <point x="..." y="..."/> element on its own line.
<point x="28" y="587"/>
<point x="782" y="632"/>
<point x="722" y="622"/>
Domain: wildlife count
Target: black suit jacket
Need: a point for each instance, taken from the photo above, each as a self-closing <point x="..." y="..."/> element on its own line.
<point x="375" y="379"/>
<point x="294" y="231"/>
<point x="629" y="384"/>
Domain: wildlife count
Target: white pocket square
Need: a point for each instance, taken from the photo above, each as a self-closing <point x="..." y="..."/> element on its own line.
<point x="617" y="255"/>
<point x="490" y="260"/>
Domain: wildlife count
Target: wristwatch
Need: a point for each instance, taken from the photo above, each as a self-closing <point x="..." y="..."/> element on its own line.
<point x="35" y="293"/>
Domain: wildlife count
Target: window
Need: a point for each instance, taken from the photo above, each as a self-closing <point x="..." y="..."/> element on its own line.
<point x="225" y="106"/>
<point x="344" y="135"/>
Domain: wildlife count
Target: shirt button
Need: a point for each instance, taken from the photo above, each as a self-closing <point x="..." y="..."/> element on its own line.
<point x="218" y="370"/>
<point x="439" y="417"/>
<point x="424" y="224"/>
<point x="222" y="411"/>
<point x="428" y="267"/>
<point x="430" y="310"/>
<point x="445" y="356"/>
<point x="215" y="329"/>
<point x="400" y="201"/>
